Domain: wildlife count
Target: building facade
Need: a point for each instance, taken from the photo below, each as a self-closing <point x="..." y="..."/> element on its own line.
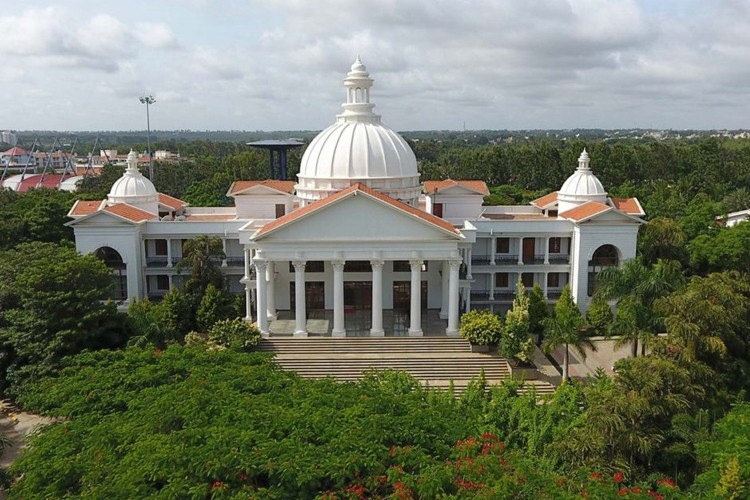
<point x="358" y="246"/>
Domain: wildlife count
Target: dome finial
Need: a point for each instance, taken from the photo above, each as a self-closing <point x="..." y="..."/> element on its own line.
<point x="132" y="162"/>
<point x="584" y="160"/>
<point x="358" y="84"/>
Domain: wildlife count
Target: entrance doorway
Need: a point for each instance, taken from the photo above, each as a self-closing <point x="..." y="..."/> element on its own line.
<point x="357" y="295"/>
<point x="315" y="296"/>
<point x="528" y="250"/>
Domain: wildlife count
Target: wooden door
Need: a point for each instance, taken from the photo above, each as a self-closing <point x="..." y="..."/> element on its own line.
<point x="528" y="250"/>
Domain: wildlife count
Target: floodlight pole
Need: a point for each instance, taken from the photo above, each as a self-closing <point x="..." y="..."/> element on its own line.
<point x="148" y="100"/>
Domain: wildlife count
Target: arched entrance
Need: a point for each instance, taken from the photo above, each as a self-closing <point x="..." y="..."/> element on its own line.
<point x="604" y="256"/>
<point x="118" y="268"/>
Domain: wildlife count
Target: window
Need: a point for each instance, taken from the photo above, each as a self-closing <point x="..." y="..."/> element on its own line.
<point x="552" y="213"/>
<point x="162" y="282"/>
<point x="605" y="256"/>
<point x="555" y="244"/>
<point x="160" y="247"/>
<point x="403" y="266"/>
<point x="527" y="279"/>
<point x="312" y="266"/>
<point x="501" y="280"/>
<point x="357" y="266"/>
<point x="503" y="245"/>
<point x="437" y="209"/>
<point x="280" y="210"/>
<point x="553" y="280"/>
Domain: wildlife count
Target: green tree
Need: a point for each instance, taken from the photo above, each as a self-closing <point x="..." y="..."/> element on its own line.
<point x="515" y="342"/>
<point x="202" y="256"/>
<point x="37" y="215"/>
<point x="662" y="238"/>
<point x="565" y="328"/>
<point x="51" y="306"/>
<point x="636" y="286"/>
<point x="481" y="327"/>
<point x="538" y="311"/>
<point x="215" y="305"/>
<point x="599" y="315"/>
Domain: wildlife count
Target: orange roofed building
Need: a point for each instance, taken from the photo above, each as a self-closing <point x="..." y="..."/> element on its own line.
<point x="357" y="245"/>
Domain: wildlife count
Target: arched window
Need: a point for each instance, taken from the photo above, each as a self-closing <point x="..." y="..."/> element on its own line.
<point x="114" y="262"/>
<point x="604" y="256"/>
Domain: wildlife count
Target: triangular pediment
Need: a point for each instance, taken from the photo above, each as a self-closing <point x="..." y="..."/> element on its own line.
<point x="357" y="217"/>
<point x="101" y="218"/>
<point x="613" y="216"/>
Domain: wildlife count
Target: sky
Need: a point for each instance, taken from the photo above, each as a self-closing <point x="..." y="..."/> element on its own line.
<point x="437" y="64"/>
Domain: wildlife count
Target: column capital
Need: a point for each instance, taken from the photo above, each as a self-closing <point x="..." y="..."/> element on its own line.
<point x="415" y="262"/>
<point x="455" y="263"/>
<point x="377" y="263"/>
<point x="338" y="265"/>
<point x="260" y="264"/>
<point x="299" y="265"/>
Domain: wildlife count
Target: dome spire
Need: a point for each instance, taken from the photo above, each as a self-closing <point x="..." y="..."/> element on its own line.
<point x="358" y="83"/>
<point x="132" y="163"/>
<point x="584" y="161"/>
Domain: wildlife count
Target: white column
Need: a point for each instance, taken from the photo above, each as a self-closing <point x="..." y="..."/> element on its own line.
<point x="546" y="278"/>
<point x="520" y="251"/>
<point x="248" y="302"/>
<point x="452" y="329"/>
<point x="444" y="290"/>
<point x="339" y="330"/>
<point x="300" y="315"/>
<point x="248" y="261"/>
<point x="468" y="300"/>
<point x="468" y="264"/>
<point x="261" y="266"/>
<point x="492" y="286"/>
<point x="271" y="290"/>
<point x="169" y="252"/>
<point x="415" y="317"/>
<point x="377" y="299"/>
<point x="493" y="250"/>
<point x="546" y="250"/>
<point x="224" y="248"/>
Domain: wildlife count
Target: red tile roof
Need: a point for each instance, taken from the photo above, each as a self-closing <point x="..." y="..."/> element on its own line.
<point x="130" y="212"/>
<point x="315" y="206"/>
<point x="478" y="186"/>
<point x="94" y="169"/>
<point x="282" y="186"/>
<point x="628" y="205"/>
<point x="585" y="211"/>
<point x="35" y="181"/>
<point x="15" y="151"/>
<point x="546" y="200"/>
<point x="171" y="201"/>
<point x="82" y="207"/>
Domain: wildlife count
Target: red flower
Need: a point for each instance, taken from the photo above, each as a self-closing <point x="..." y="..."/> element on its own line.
<point x="655" y="495"/>
<point x="595" y="475"/>
<point x="158" y="352"/>
<point x="218" y="485"/>
<point x="637" y="491"/>
<point x="622" y="492"/>
<point x="357" y="489"/>
<point x="666" y="482"/>
<point x="618" y="477"/>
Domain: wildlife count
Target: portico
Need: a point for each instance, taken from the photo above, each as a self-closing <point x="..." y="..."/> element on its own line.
<point x="340" y="251"/>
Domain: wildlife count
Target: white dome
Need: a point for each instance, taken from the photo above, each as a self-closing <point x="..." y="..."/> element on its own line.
<point x="134" y="189"/>
<point x="358" y="149"/>
<point x="581" y="187"/>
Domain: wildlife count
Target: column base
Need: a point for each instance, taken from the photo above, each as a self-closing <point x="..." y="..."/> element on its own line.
<point x="443" y="315"/>
<point x="452" y="333"/>
<point x="272" y="317"/>
<point x="415" y="333"/>
<point x="377" y="333"/>
<point x="338" y="333"/>
<point x="265" y="335"/>
<point x="300" y="334"/>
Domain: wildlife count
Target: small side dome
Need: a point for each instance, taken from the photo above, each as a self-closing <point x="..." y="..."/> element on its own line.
<point x="581" y="187"/>
<point x="134" y="189"/>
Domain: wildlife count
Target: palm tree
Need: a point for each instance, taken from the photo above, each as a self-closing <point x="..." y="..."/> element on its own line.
<point x="635" y="287"/>
<point x="565" y="327"/>
<point x="202" y="255"/>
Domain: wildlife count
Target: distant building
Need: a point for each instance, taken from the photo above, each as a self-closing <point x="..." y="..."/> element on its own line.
<point x="358" y="245"/>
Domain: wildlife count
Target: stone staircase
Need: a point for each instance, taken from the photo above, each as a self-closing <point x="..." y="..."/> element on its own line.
<point x="435" y="361"/>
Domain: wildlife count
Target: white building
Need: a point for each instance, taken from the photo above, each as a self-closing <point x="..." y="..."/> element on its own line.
<point x="358" y="245"/>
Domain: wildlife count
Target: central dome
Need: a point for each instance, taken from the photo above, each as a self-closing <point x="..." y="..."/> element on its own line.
<point x="581" y="187"/>
<point x="358" y="148"/>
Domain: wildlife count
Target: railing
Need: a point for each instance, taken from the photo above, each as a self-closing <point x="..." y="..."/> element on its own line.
<point x="157" y="261"/>
<point x="505" y="259"/>
<point x="480" y="259"/>
<point x="533" y="259"/>
<point x="559" y="259"/>
<point x="499" y="296"/>
<point x="554" y="294"/>
<point x="235" y="261"/>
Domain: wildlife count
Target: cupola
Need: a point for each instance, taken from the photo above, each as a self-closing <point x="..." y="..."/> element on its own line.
<point x="134" y="189"/>
<point x="581" y="187"/>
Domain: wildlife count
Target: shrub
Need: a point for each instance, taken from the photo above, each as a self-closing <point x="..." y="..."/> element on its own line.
<point x="481" y="327"/>
<point x="235" y="334"/>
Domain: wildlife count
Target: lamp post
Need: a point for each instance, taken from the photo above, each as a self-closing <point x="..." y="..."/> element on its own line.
<point x="148" y="100"/>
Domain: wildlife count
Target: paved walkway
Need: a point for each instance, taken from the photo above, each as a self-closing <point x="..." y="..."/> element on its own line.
<point x="604" y="357"/>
